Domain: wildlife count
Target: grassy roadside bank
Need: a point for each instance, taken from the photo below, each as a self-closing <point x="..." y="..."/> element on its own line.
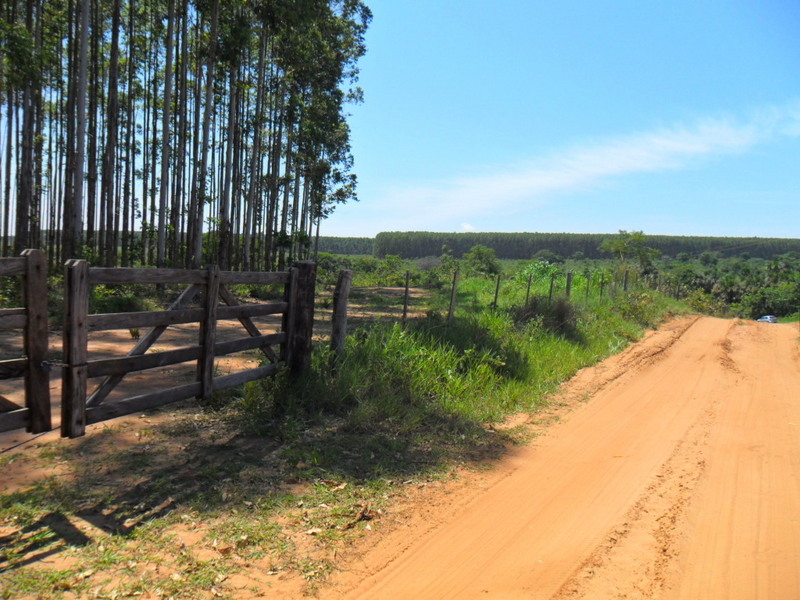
<point x="269" y="482"/>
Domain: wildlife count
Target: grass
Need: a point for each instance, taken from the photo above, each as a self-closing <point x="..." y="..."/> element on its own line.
<point x="280" y="475"/>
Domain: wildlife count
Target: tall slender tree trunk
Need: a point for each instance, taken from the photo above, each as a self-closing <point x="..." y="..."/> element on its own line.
<point x="112" y="129"/>
<point x="255" y="159"/>
<point x="165" y="139"/>
<point x="9" y="174"/>
<point x="146" y="222"/>
<point x="25" y="185"/>
<point x="199" y="194"/>
<point x="224" y="253"/>
<point x="38" y="137"/>
<point x="130" y="150"/>
<point x="272" y="209"/>
<point x="95" y="77"/>
<point x="73" y="223"/>
<point x="179" y="176"/>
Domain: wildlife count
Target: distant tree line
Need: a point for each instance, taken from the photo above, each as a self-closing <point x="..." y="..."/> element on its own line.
<point x="175" y="132"/>
<point x="524" y="246"/>
<point x="345" y="245"/>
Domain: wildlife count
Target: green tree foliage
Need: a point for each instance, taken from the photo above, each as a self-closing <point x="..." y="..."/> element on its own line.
<point x="631" y="246"/>
<point x="780" y="299"/>
<point x="526" y="246"/>
<point x="748" y="287"/>
<point x="481" y="260"/>
<point x="345" y="245"/>
<point x="176" y="131"/>
<point x="537" y="271"/>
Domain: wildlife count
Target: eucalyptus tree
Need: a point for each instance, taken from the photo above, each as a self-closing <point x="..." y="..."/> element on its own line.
<point x="73" y="199"/>
<point x="112" y="130"/>
<point x="200" y="189"/>
<point x="166" y="111"/>
<point x="170" y="132"/>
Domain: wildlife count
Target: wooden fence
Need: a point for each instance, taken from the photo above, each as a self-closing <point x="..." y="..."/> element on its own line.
<point x="32" y="319"/>
<point x="79" y="407"/>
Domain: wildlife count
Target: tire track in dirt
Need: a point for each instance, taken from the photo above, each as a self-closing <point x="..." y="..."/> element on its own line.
<point x="645" y="542"/>
<point x="742" y="536"/>
<point x="612" y="501"/>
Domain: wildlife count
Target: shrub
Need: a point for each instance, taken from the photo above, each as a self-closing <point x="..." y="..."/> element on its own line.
<point x="117" y="299"/>
<point x="329" y="266"/>
<point x="781" y="299"/>
<point x="706" y="304"/>
<point x="482" y="260"/>
<point x="644" y="307"/>
<point x="559" y="317"/>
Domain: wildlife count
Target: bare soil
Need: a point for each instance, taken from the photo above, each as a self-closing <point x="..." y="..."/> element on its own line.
<point x="670" y="471"/>
<point x="677" y="477"/>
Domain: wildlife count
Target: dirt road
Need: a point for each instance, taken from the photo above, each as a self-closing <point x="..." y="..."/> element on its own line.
<point x="678" y="478"/>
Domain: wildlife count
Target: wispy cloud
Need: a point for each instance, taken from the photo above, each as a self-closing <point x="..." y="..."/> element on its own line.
<point x="587" y="166"/>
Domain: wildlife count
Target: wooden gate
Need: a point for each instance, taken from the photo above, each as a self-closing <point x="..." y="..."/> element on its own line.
<point x="293" y="341"/>
<point x="32" y="319"/>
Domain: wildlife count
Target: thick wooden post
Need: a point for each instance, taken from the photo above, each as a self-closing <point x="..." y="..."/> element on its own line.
<point x="625" y="282"/>
<point x="496" y="292"/>
<point x="37" y="376"/>
<point x="76" y="338"/>
<point x="569" y="284"/>
<point x="552" y="286"/>
<point x="208" y="332"/>
<point x="287" y="324"/>
<point x="339" y="319"/>
<point x="301" y="317"/>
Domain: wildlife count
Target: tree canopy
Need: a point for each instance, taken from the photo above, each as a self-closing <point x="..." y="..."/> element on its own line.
<point x="175" y="132"/>
<point x="558" y="246"/>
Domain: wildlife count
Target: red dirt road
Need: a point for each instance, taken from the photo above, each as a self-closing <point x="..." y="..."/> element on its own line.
<point x="678" y="478"/>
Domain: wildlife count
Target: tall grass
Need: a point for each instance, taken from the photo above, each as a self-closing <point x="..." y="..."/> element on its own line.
<point x="438" y="378"/>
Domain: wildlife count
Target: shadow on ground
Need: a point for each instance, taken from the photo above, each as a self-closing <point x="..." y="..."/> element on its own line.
<point x="126" y="475"/>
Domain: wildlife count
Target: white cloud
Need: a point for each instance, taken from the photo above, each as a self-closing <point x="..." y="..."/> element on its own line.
<point x="534" y="182"/>
<point x="468" y="227"/>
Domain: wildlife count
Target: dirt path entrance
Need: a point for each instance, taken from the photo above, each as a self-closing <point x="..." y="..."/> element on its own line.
<point x="679" y="478"/>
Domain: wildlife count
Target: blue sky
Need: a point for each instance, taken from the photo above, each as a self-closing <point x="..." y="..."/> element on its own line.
<point x="678" y="117"/>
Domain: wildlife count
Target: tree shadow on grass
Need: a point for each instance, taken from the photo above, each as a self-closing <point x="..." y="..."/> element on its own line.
<point x="205" y="464"/>
<point x="46" y="536"/>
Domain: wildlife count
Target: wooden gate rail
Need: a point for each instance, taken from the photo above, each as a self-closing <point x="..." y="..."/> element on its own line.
<point x="294" y="338"/>
<point x="35" y="415"/>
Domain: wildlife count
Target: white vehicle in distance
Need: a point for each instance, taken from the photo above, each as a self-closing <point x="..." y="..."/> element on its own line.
<point x="768" y="319"/>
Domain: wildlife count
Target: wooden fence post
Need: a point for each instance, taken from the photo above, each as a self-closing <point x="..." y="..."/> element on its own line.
<point x="287" y="322"/>
<point x="552" y="285"/>
<point x="405" y="299"/>
<point x="453" y="291"/>
<point x="569" y="284"/>
<point x="37" y="377"/>
<point x="588" y="283"/>
<point x="339" y="319"/>
<point x="76" y="312"/>
<point x="496" y="293"/>
<point x="528" y="291"/>
<point x="625" y="282"/>
<point x="301" y="316"/>
<point x="208" y="332"/>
